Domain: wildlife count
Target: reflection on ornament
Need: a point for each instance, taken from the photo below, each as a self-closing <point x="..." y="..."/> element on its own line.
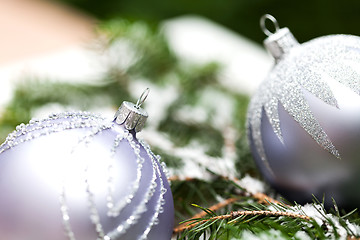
<point x="304" y="120"/>
<point x="78" y="172"/>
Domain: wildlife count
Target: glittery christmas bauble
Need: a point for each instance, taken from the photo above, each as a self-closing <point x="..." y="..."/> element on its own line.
<point x="304" y="120"/>
<point x="76" y="175"/>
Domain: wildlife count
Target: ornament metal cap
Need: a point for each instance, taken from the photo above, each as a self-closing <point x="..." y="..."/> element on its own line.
<point x="281" y="41"/>
<point x="132" y="116"/>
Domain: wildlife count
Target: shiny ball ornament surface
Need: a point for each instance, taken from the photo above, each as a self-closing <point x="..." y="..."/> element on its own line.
<point x="304" y="120"/>
<point x="76" y="175"/>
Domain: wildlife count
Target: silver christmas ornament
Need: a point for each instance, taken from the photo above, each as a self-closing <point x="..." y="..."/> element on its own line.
<point x="76" y="175"/>
<point x="304" y="120"/>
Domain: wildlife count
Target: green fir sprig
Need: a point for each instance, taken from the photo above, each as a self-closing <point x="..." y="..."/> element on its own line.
<point x="244" y="217"/>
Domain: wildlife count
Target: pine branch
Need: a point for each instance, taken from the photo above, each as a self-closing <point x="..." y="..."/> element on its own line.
<point x="204" y="213"/>
<point x="237" y="214"/>
<point x="265" y="199"/>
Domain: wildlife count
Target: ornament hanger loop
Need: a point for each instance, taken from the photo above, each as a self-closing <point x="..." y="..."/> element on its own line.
<point x="263" y="24"/>
<point x="142" y="98"/>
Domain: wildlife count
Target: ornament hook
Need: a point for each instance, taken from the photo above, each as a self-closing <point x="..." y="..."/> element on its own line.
<point x="263" y="24"/>
<point x="142" y="98"/>
<point x="132" y="116"/>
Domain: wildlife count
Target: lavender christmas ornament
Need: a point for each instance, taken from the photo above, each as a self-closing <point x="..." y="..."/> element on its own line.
<point x="76" y="175"/>
<point x="304" y="120"/>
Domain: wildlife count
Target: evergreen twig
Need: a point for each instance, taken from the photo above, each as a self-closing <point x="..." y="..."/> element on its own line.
<point x="236" y="214"/>
<point x="265" y="199"/>
<point x="202" y="214"/>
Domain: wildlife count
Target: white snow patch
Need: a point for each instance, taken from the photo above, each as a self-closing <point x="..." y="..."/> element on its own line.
<point x="192" y="114"/>
<point x="220" y="105"/>
<point x="251" y="185"/>
<point x="316" y="212"/>
<point x="196" y="39"/>
<point x="120" y="54"/>
<point x="301" y="235"/>
<point x="355" y="229"/>
<point x="193" y="156"/>
<point x="266" y="235"/>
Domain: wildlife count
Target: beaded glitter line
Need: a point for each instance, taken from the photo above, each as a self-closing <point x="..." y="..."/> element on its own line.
<point x="111" y="187"/>
<point x="304" y="69"/>
<point x="23" y="131"/>
<point x="65" y="215"/>
<point x="141" y="208"/>
<point x="158" y="159"/>
<point x="94" y="214"/>
<point x="158" y="208"/>
<point x="161" y="201"/>
<point x="115" y="210"/>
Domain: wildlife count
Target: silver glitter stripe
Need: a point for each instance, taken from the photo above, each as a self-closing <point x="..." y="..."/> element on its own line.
<point x="115" y="210"/>
<point x="65" y="215"/>
<point x="161" y="201"/>
<point x="94" y="214"/>
<point x="157" y="157"/>
<point x="111" y="186"/>
<point x="23" y="132"/>
<point x="141" y="208"/>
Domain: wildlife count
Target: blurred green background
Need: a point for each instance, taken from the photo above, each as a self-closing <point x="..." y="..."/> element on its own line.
<point x="307" y="19"/>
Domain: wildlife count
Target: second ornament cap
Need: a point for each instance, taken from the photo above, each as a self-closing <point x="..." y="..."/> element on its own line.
<point x="279" y="42"/>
